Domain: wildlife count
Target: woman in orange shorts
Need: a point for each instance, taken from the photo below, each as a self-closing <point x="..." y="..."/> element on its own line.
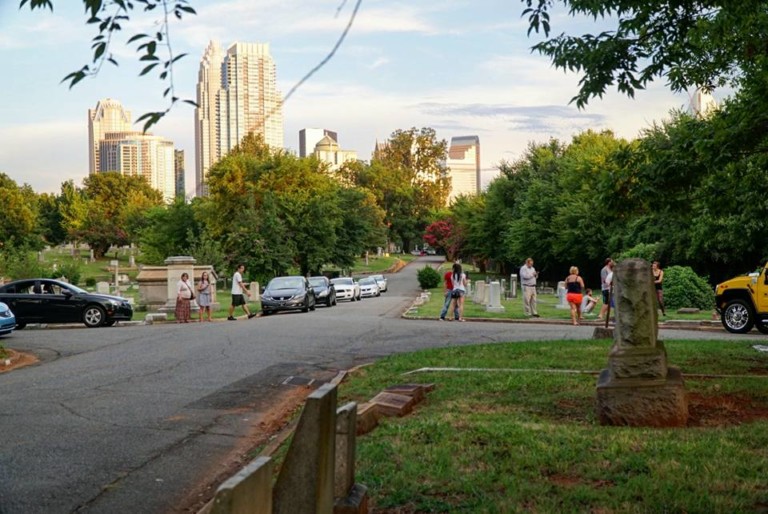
<point x="574" y="285"/>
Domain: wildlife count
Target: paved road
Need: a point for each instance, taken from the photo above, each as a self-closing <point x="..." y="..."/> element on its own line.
<point x="128" y="419"/>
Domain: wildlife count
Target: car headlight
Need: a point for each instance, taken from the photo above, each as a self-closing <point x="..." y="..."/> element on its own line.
<point x="266" y="297"/>
<point x="297" y="297"/>
<point x="115" y="303"/>
<point x="323" y="293"/>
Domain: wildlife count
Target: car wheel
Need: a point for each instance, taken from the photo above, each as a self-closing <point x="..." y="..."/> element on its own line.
<point x="110" y="322"/>
<point x="354" y="298"/>
<point x="313" y="306"/>
<point x="265" y="312"/>
<point x="93" y="316"/>
<point x="334" y="300"/>
<point x="737" y="317"/>
<point x="306" y="304"/>
<point x="329" y="302"/>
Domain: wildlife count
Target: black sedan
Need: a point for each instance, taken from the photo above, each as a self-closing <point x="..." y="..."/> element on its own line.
<point x="288" y="294"/>
<point x="324" y="290"/>
<point x="42" y="300"/>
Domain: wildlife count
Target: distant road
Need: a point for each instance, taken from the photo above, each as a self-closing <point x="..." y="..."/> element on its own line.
<point x="132" y="419"/>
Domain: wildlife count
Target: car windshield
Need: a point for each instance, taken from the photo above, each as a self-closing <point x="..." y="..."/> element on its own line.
<point x="378" y="277"/>
<point x="317" y="282"/>
<point x="343" y="281"/>
<point x="367" y="281"/>
<point x="286" y="283"/>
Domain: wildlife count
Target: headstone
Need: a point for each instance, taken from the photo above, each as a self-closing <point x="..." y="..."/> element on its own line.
<point x="638" y="388"/>
<point x="102" y="287"/>
<point x="346" y="430"/>
<point x="487" y="294"/>
<point x="367" y="417"/>
<point x="92" y="257"/>
<point x="40" y="257"/>
<point x="494" y="300"/>
<point x="562" y="303"/>
<point x="255" y="293"/>
<point x="131" y="261"/>
<point x="513" y="284"/>
<point x="305" y="482"/>
<point x="391" y="404"/>
<point x="249" y="491"/>
<point x="479" y="292"/>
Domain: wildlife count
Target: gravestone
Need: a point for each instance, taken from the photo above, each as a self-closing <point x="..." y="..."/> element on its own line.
<point x="513" y="285"/>
<point x="638" y="388"/>
<point x="102" y="287"/>
<point x="249" y="491"/>
<point x="92" y="257"/>
<point x="350" y="498"/>
<point x="562" y="303"/>
<point x="253" y="287"/>
<point x="487" y="294"/>
<point x="393" y="404"/>
<point x="494" y="301"/>
<point x="479" y="292"/>
<point x="305" y="482"/>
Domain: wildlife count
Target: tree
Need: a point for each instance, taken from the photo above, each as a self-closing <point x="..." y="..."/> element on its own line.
<point x="20" y="214"/>
<point x="169" y="231"/>
<point x="409" y="178"/>
<point x="687" y="42"/>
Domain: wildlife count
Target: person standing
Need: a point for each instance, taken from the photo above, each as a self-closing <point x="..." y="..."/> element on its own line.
<point x="528" y="276"/>
<point x="204" y="296"/>
<point x="605" y="286"/>
<point x="459" y="280"/>
<point x="184" y="295"/>
<point x="238" y="289"/>
<point x="658" y="280"/>
<point x="448" y="281"/>
<point x="574" y="285"/>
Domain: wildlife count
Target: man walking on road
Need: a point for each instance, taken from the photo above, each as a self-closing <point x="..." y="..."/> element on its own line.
<point x="238" y="288"/>
<point x="528" y="276"/>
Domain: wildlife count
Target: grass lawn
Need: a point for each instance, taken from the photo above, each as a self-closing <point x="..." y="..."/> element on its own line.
<point x="379" y="264"/>
<point x="528" y="441"/>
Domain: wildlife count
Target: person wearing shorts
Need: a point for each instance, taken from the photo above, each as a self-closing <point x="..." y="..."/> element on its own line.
<point x="605" y="287"/>
<point x="238" y="291"/>
<point x="574" y="285"/>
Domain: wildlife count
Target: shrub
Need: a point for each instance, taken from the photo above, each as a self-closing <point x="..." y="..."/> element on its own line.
<point x="72" y="271"/>
<point x="647" y="251"/>
<point x="90" y="282"/>
<point x="684" y="288"/>
<point x="428" y="277"/>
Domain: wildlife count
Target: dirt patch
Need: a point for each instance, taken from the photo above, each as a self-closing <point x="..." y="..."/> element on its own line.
<point x="270" y="423"/>
<point x="14" y="360"/>
<point x="724" y="410"/>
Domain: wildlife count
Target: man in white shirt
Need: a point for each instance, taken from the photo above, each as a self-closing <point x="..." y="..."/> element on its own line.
<point x="238" y="288"/>
<point x="528" y="275"/>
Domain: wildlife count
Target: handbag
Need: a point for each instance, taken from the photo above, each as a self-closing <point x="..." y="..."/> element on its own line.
<point x="191" y="293"/>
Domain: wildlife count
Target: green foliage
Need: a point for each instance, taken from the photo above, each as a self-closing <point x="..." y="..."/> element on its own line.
<point x="206" y="250"/>
<point x="71" y="270"/>
<point x="684" y="288"/>
<point x="17" y="262"/>
<point x="647" y="251"/>
<point x="170" y="230"/>
<point x="428" y="277"/>
<point x="90" y="282"/>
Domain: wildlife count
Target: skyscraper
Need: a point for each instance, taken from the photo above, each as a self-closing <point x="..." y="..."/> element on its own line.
<point x="236" y="94"/>
<point x="179" y="170"/>
<point x="114" y="146"/>
<point x="108" y="116"/>
<point x="464" y="166"/>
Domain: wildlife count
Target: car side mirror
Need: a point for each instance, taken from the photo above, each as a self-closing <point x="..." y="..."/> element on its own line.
<point x="66" y="292"/>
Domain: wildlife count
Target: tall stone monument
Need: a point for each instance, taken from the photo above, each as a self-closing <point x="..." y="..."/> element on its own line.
<point x="638" y="388"/>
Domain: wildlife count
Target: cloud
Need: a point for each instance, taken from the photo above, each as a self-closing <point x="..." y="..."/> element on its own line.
<point x="381" y="61"/>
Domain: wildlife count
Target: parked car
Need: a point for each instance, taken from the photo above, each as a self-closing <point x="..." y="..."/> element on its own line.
<point x="288" y="294"/>
<point x="325" y="292"/>
<point x="43" y="300"/>
<point x="382" y="281"/>
<point x="346" y="289"/>
<point x="369" y="287"/>
<point x="7" y="320"/>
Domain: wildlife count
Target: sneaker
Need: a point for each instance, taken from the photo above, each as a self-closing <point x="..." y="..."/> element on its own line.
<point x="441" y="319"/>
<point x="230" y="318"/>
<point x="251" y="315"/>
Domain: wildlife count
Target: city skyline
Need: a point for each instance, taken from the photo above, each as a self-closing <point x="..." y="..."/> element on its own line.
<point x="460" y="68"/>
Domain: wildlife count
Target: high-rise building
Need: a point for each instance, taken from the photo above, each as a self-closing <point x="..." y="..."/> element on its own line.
<point x="464" y="166"/>
<point x="136" y="154"/>
<point x="309" y="137"/>
<point x="236" y="94"/>
<point x="108" y="116"/>
<point x="703" y="104"/>
<point x="115" y="147"/>
<point x="179" y="169"/>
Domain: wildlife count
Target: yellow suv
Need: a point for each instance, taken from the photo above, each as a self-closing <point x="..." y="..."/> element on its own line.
<point x="743" y="302"/>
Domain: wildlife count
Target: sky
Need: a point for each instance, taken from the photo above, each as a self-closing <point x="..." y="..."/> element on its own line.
<point x="462" y="67"/>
